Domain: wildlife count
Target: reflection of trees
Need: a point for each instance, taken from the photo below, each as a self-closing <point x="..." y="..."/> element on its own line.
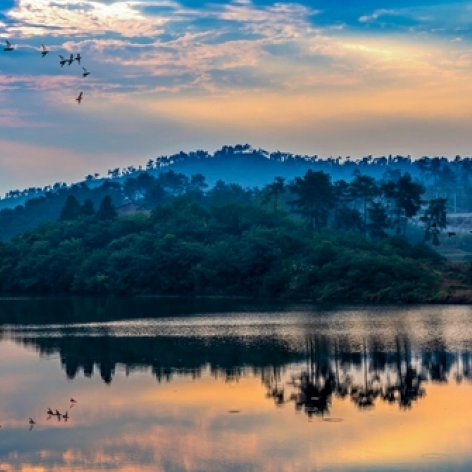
<point x="166" y="356"/>
<point x="328" y="367"/>
<point x="407" y="388"/>
<point x="315" y="386"/>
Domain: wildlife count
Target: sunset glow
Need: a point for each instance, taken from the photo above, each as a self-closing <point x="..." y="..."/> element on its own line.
<point x="304" y="77"/>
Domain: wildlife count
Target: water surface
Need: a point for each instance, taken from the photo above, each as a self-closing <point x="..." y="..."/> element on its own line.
<point x="230" y="385"/>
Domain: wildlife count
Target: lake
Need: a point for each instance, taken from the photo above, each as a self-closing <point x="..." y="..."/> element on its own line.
<point x="233" y="385"/>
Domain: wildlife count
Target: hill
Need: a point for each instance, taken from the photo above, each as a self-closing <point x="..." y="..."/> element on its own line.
<point x="224" y="242"/>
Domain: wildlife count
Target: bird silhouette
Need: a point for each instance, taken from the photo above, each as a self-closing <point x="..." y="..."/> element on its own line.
<point x="79" y="98"/>
<point x="71" y="59"/>
<point x="44" y="51"/>
<point x="78" y="57"/>
<point x="8" y="47"/>
<point x="86" y="72"/>
<point x="63" y="61"/>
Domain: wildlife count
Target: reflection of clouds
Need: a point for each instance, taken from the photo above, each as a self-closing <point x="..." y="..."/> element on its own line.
<point x="137" y="425"/>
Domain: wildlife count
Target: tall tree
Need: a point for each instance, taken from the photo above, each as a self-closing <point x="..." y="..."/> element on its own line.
<point x="87" y="208"/>
<point x="315" y="197"/>
<point x="405" y="197"/>
<point x="434" y="219"/>
<point x="71" y="209"/>
<point x="274" y="190"/>
<point x="378" y="221"/>
<point x="365" y="189"/>
<point x="107" y="210"/>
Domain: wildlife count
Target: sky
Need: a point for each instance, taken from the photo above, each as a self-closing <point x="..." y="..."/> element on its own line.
<point x="309" y="76"/>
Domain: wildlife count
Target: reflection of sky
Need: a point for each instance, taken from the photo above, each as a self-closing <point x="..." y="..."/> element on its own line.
<point x="304" y="76"/>
<point x="136" y="423"/>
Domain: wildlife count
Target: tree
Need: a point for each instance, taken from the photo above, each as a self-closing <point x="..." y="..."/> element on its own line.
<point x="315" y="197"/>
<point x="274" y="190"/>
<point x="365" y="189"/>
<point x="175" y="182"/>
<point x="423" y="166"/>
<point x="434" y="219"/>
<point x="87" y="208"/>
<point x="379" y="221"/>
<point x="107" y="210"/>
<point x="71" y="209"/>
<point x="342" y="197"/>
<point x="155" y="195"/>
<point x="405" y="195"/>
<point x="435" y="169"/>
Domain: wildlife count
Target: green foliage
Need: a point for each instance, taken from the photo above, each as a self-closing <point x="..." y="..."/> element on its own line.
<point x="223" y="242"/>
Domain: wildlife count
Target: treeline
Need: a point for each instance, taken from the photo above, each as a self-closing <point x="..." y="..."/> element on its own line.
<point x="307" y="239"/>
<point x="440" y="176"/>
<point x="363" y="204"/>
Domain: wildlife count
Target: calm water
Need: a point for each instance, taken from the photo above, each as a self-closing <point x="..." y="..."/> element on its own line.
<point x="173" y="385"/>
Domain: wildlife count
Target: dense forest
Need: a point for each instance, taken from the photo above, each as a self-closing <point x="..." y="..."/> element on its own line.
<point x="309" y="238"/>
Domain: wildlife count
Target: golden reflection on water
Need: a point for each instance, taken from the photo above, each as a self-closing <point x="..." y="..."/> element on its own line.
<point x="137" y="424"/>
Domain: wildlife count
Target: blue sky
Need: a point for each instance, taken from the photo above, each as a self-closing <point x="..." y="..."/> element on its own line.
<point x="316" y="77"/>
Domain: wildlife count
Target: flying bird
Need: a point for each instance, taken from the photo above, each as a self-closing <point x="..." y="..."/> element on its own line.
<point x="8" y="47"/>
<point x="44" y="51"/>
<point x="50" y="412"/>
<point x="32" y="422"/>
<point x="86" y="72"/>
<point x="78" y="57"/>
<point x="71" y="59"/>
<point x="63" y="61"/>
<point x="79" y="98"/>
<point x="73" y="401"/>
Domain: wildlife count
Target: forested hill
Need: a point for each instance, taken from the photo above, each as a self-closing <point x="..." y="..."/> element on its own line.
<point x="241" y="166"/>
<point x="251" y="167"/>
<point x="310" y="239"/>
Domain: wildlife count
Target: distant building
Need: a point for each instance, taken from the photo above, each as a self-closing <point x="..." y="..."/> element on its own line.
<point x="131" y="208"/>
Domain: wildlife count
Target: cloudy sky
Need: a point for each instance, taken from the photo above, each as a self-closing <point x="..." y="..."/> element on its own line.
<point x="309" y="76"/>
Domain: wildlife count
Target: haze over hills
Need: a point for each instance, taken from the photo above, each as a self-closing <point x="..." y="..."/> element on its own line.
<point x="251" y="167"/>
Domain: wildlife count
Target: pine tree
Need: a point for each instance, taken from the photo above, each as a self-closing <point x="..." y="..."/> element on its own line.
<point x="71" y="209"/>
<point x="107" y="210"/>
<point x="87" y="208"/>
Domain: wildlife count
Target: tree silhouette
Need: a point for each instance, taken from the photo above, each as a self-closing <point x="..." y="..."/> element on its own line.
<point x="87" y="208"/>
<point x="434" y="219"/>
<point x="379" y="221"/>
<point x="274" y="190"/>
<point x="315" y="198"/>
<point x="71" y="209"/>
<point x="405" y="195"/>
<point x="364" y="188"/>
<point x="107" y="210"/>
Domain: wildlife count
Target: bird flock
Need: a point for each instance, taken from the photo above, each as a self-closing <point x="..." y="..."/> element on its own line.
<point x="62" y="62"/>
<point x="56" y="413"/>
